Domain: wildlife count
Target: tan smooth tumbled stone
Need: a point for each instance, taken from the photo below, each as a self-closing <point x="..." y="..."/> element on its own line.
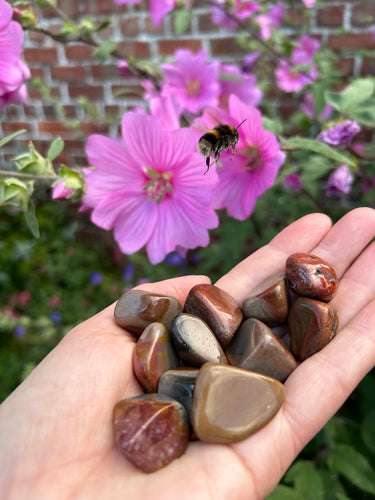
<point x="230" y="403"/>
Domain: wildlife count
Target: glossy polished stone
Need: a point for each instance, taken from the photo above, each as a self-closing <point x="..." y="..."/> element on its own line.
<point x="312" y="324"/>
<point x="230" y="403"/>
<point x="150" y="430"/>
<point x="256" y="348"/>
<point x="309" y="276"/>
<point x="179" y="385"/>
<point x="269" y="301"/>
<point x="136" y="309"/>
<point x="153" y="355"/>
<point x="195" y="342"/>
<point x="217" y="308"/>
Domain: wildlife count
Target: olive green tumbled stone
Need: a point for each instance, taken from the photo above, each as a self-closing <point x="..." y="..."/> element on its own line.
<point x="136" y="309"/>
<point x="269" y="301"/>
<point x="230" y="403"/>
<point x="255" y="347"/>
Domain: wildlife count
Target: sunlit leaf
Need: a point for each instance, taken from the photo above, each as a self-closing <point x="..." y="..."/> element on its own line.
<point x="317" y="147"/>
<point x="8" y="138"/>
<point x="55" y="149"/>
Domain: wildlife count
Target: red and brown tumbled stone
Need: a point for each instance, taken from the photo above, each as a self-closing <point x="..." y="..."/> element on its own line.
<point x="230" y="403"/>
<point x="150" y="430"/>
<point x="312" y="325"/>
<point x="136" y="309"/>
<point x="269" y="301"/>
<point x="256" y="348"/>
<point x="217" y="308"/>
<point x="153" y="355"/>
<point x="310" y="276"/>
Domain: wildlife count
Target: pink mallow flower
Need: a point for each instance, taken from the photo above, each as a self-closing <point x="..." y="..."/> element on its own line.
<point x="340" y="134"/>
<point x="234" y="81"/>
<point x="340" y="181"/>
<point x="61" y="192"/>
<point x="160" y="8"/>
<point x="270" y="21"/>
<point x="240" y="9"/>
<point x="13" y="71"/>
<point x="293" y="182"/>
<point x="288" y="75"/>
<point x="150" y="190"/>
<point x="253" y="169"/>
<point x="309" y="3"/>
<point x="192" y="80"/>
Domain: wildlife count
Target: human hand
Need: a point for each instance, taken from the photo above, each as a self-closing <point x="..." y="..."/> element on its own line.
<point x="56" y="433"/>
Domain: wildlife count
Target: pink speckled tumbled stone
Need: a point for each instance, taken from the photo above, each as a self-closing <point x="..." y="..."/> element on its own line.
<point x="150" y="430"/>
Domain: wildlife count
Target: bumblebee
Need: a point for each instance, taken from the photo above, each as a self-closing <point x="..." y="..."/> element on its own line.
<point x="217" y="140"/>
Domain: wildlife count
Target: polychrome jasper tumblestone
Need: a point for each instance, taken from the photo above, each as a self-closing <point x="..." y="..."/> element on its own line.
<point x="255" y="347"/>
<point x="269" y="301"/>
<point x="217" y="308"/>
<point x="195" y="342"/>
<point x="310" y="276"/>
<point x="179" y="384"/>
<point x="230" y="403"/>
<point x="153" y="355"/>
<point x="312" y="325"/>
<point x="136" y="309"/>
<point x="150" y="430"/>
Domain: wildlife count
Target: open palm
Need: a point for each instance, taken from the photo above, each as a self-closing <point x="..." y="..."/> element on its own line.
<point x="56" y="435"/>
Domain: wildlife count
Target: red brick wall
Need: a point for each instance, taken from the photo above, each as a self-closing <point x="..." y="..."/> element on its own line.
<point x="344" y="25"/>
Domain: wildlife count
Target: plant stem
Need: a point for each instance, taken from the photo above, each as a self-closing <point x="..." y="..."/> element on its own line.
<point x="32" y="177"/>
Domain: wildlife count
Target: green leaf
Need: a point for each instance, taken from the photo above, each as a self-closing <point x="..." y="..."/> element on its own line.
<point x="306" y="480"/>
<point x="368" y="430"/>
<point x="31" y="219"/>
<point x="103" y="26"/>
<point x="348" y="462"/>
<point x="181" y="21"/>
<point x="55" y="149"/>
<point x="104" y="50"/>
<point x="317" y="147"/>
<point x="272" y="125"/>
<point x="365" y="113"/>
<point x="10" y="137"/>
<point x="352" y="96"/>
<point x="282" y="492"/>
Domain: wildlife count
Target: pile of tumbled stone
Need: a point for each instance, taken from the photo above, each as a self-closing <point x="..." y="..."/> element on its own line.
<point x="214" y="371"/>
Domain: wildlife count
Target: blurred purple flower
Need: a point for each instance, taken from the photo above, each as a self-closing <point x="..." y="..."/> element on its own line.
<point x="341" y="134"/>
<point x="234" y="81"/>
<point x="367" y="183"/>
<point x="340" y="181"/>
<point x="192" y="80"/>
<point x="175" y="259"/>
<point x="141" y="281"/>
<point x="128" y="272"/>
<point x="307" y="106"/>
<point x="249" y="62"/>
<point x="150" y="190"/>
<point x="293" y="182"/>
<point x="123" y="68"/>
<point x="96" y="278"/>
<point x="13" y="71"/>
<point x="55" y="317"/>
<point x="254" y="167"/>
<point x="19" y="331"/>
